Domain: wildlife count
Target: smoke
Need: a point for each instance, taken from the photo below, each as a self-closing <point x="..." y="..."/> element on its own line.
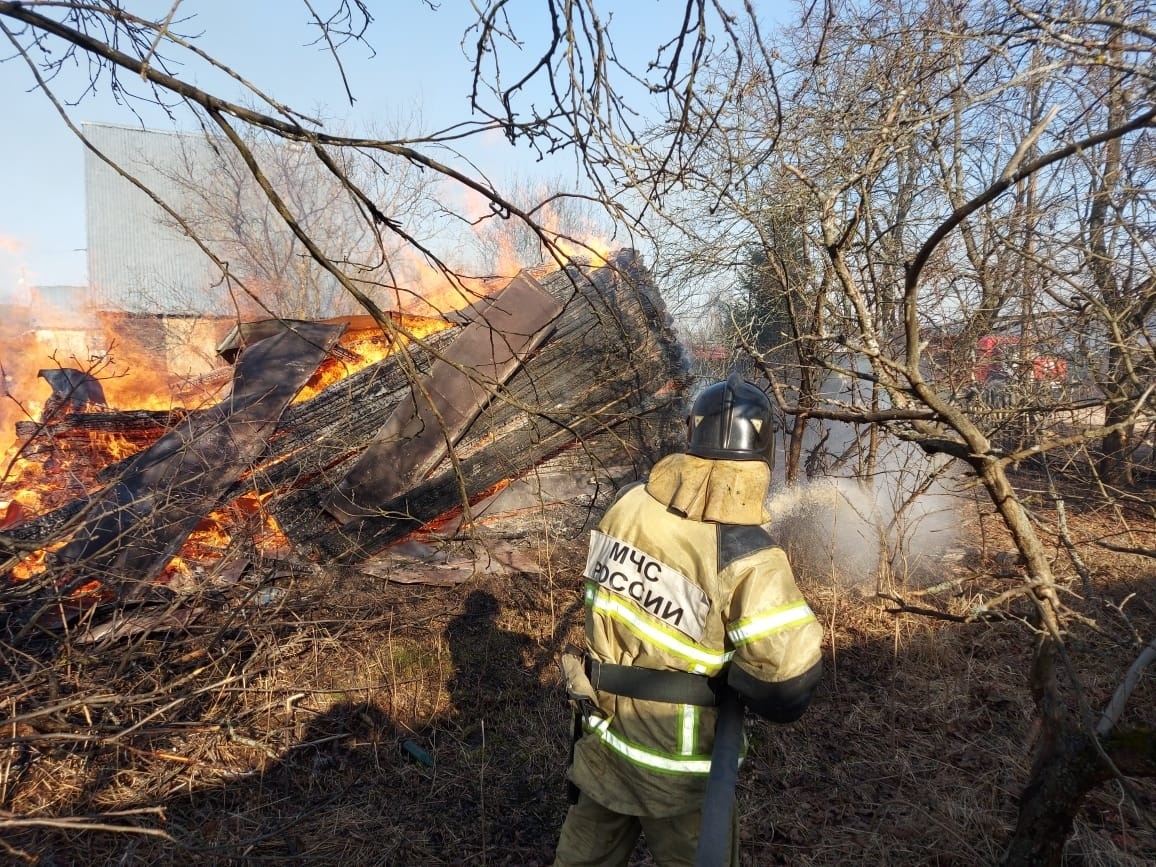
<point x="860" y="531"/>
<point x="831" y="532"/>
<point x="14" y="276"/>
<point x="59" y="329"/>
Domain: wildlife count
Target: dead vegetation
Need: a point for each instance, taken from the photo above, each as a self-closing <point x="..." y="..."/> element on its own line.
<point x="326" y="718"/>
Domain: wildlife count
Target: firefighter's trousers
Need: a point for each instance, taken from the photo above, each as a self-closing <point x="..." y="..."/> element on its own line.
<point x="593" y="836"/>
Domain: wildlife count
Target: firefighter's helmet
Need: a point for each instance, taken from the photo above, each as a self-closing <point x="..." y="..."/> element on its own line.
<point x="731" y="420"/>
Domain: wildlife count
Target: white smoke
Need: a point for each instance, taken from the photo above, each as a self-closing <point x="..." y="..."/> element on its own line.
<point x="866" y="531"/>
<point x="863" y="535"/>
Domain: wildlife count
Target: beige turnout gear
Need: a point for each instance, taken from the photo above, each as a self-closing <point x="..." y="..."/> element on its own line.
<point x="594" y="836"/>
<point x="681" y="577"/>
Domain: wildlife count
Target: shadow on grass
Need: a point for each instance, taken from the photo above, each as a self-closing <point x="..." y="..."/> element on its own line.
<point x="478" y="781"/>
<point x="920" y="734"/>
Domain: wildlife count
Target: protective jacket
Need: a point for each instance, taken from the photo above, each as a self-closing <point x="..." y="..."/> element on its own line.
<point x="682" y="577"/>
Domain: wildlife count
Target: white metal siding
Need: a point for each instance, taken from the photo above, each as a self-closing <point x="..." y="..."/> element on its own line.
<point x="137" y="260"/>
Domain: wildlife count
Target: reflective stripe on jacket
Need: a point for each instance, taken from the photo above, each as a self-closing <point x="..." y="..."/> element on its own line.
<point x="647" y="569"/>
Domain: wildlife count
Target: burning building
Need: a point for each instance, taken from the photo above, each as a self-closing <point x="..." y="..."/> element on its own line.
<point x="338" y="439"/>
<point x="323" y="440"/>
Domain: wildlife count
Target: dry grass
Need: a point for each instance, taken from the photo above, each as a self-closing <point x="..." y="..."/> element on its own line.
<point x="286" y="733"/>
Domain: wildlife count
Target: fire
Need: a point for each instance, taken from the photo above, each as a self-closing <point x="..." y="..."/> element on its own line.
<point x="452" y="517"/>
<point x="31" y="565"/>
<point x="55" y="467"/>
<point x="427" y="290"/>
<point x="176" y="570"/>
<point x="61" y="459"/>
<point x="582" y="244"/>
<point x="215" y="533"/>
<point x="562" y="239"/>
<point x="28" y="493"/>
<point x="434" y="290"/>
<point x="11" y="514"/>
<point x="364" y="343"/>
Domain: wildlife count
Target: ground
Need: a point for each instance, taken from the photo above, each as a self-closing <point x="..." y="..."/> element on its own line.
<point x="349" y="720"/>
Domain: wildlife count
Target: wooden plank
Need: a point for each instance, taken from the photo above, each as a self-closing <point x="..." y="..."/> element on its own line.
<point x="612" y="378"/>
<point x="505" y="329"/>
<point x="142" y="422"/>
<point x="140" y="521"/>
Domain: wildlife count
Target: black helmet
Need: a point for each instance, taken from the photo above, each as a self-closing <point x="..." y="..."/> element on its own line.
<point x="731" y="421"/>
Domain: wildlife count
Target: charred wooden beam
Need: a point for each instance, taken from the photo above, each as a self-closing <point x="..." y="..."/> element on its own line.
<point x="609" y="382"/>
<point x="508" y="326"/>
<point x="76" y="429"/>
<point x="136" y="526"/>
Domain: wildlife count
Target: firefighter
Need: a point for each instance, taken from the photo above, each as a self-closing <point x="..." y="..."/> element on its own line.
<point x="692" y="612"/>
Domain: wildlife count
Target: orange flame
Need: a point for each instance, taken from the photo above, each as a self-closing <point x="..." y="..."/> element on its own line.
<point x="365" y="343"/>
<point x="58" y="468"/>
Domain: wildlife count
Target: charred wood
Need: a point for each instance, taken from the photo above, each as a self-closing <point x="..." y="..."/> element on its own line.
<point x="602" y="397"/>
<point x="320" y="436"/>
<point x="441" y="406"/>
<point x="140" y="521"/>
<point x="609" y="382"/>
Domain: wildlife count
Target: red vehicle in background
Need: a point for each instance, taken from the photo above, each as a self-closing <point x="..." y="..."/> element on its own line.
<point x="1001" y="366"/>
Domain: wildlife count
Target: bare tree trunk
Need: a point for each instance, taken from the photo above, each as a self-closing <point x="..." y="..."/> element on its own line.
<point x="1114" y="466"/>
<point x="808" y="388"/>
<point x="795" y="449"/>
<point x="1061" y="781"/>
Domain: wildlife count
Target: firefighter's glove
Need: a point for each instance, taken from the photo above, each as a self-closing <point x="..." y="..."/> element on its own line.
<point x="579" y="689"/>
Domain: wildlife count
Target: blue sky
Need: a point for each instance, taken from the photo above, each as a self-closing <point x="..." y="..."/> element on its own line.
<point x="419" y="68"/>
<point x="42" y="163"/>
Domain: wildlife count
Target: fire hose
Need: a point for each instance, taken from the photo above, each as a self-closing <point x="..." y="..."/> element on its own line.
<point x="714" y="841"/>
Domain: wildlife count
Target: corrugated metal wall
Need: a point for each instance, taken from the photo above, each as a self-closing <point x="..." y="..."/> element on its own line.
<point x="138" y="261"/>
